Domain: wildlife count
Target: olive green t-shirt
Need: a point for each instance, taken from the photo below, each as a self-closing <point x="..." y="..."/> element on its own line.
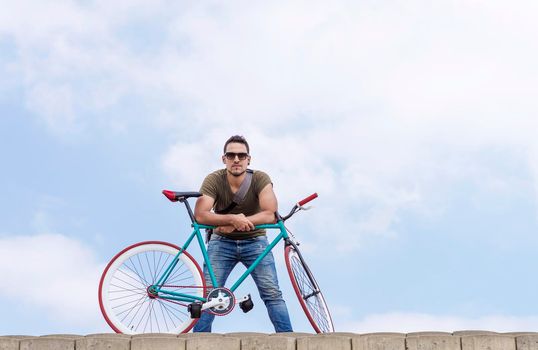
<point x="216" y="186"/>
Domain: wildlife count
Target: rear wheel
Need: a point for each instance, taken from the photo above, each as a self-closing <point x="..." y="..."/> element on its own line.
<point x="308" y="292"/>
<point x="127" y="300"/>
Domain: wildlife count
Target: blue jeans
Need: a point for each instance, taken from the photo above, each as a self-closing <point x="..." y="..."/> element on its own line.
<point x="224" y="254"/>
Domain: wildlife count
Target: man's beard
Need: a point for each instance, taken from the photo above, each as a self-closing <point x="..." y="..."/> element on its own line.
<point x="236" y="175"/>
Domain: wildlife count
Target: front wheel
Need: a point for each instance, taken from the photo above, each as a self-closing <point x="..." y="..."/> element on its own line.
<point x="308" y="292"/>
<point x="127" y="300"/>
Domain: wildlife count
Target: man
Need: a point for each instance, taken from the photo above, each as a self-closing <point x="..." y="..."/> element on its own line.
<point x="235" y="240"/>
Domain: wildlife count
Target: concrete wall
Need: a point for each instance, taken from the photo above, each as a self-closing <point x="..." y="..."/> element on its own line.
<point x="462" y="340"/>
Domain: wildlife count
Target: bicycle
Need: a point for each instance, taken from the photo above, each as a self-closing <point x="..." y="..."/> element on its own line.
<point x="158" y="287"/>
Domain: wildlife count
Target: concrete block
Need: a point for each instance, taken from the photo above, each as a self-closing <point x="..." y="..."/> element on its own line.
<point x="488" y="342"/>
<point x="379" y="341"/>
<point x="527" y="342"/>
<point x="161" y="343"/>
<point x="473" y="332"/>
<point x="114" y="342"/>
<point x="420" y="334"/>
<point x="154" y="335"/>
<point x="518" y="334"/>
<point x="213" y="343"/>
<point x="433" y="342"/>
<point x="341" y="334"/>
<point x="18" y="337"/>
<point x="62" y="336"/>
<point x="109" y="335"/>
<point x="323" y="342"/>
<point x="268" y="343"/>
<point x="388" y="334"/>
<point x="39" y="343"/>
<point x="7" y="343"/>
<point x="244" y="334"/>
<point x="293" y="334"/>
<point x="197" y="335"/>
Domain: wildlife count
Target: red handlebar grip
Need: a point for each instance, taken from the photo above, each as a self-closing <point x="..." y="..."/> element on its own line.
<point x="308" y="199"/>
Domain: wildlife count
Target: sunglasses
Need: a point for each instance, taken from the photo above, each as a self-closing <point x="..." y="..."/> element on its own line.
<point x="232" y="155"/>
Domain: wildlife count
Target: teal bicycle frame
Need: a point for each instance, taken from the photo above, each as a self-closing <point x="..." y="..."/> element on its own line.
<point x="171" y="295"/>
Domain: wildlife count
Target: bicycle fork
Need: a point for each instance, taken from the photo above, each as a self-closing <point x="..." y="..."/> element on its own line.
<point x="309" y="274"/>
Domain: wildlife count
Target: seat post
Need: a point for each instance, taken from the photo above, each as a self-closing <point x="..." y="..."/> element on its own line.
<point x="189" y="210"/>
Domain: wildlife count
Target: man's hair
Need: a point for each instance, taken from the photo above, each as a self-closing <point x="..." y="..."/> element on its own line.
<point x="237" y="139"/>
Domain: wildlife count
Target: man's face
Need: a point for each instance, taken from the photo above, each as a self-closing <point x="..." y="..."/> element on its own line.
<point x="236" y="158"/>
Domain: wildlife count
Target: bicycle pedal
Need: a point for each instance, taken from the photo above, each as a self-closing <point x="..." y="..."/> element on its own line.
<point x="247" y="304"/>
<point x="195" y="309"/>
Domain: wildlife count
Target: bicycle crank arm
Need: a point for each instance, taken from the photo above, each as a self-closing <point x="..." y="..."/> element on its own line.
<point x="240" y="300"/>
<point x="216" y="302"/>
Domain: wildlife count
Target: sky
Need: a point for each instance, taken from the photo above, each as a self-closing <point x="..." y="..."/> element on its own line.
<point x="415" y="122"/>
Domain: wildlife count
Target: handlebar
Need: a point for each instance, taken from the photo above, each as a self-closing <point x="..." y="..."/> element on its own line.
<point x="307" y="199"/>
<point x="299" y="206"/>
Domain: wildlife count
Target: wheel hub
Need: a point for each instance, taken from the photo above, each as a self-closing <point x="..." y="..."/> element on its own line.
<point x="152" y="292"/>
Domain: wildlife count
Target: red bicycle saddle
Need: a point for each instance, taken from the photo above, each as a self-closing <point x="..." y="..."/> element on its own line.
<point x="176" y="196"/>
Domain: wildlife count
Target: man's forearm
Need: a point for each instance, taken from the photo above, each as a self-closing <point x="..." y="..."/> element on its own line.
<point x="263" y="217"/>
<point x="266" y="217"/>
<point x="213" y="219"/>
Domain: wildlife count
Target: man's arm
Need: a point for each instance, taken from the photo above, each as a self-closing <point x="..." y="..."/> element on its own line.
<point x="268" y="206"/>
<point x="204" y="215"/>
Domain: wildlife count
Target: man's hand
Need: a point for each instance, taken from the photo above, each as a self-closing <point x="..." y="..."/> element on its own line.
<point x="225" y="229"/>
<point x="241" y="223"/>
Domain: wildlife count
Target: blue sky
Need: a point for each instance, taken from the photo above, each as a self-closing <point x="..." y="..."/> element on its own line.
<point x="415" y="122"/>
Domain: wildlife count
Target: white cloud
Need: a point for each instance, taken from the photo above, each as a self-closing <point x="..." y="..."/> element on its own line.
<point x="187" y="162"/>
<point x="297" y="60"/>
<point x="55" y="104"/>
<point x="379" y="107"/>
<point x="418" y="322"/>
<point x="54" y="273"/>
